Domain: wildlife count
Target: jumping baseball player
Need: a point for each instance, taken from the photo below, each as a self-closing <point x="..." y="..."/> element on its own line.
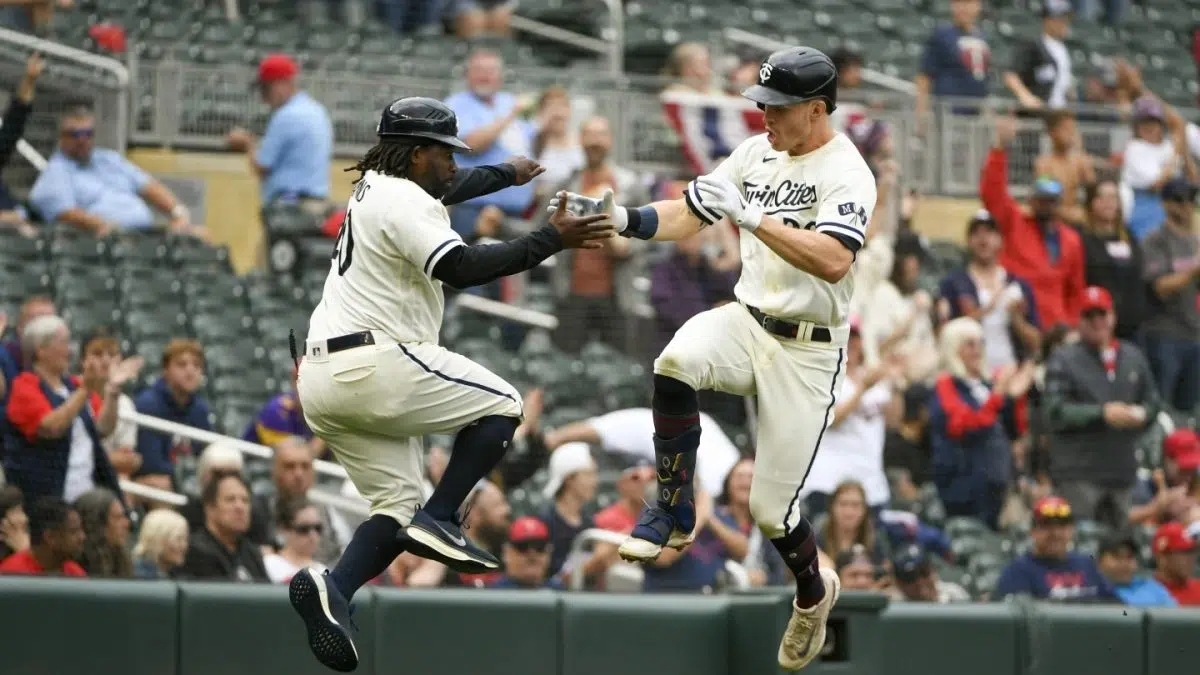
<point x="800" y="193"/>
<point x="374" y="379"/>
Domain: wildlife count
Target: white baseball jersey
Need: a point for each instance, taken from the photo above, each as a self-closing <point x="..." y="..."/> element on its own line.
<point x="380" y="277"/>
<point x="831" y="190"/>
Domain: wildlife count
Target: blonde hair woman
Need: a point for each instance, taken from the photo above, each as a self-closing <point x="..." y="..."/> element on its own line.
<point x="972" y="456"/>
<point x="162" y="545"/>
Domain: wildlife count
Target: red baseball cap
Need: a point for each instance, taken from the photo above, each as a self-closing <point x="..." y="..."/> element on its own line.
<point x="1052" y="511"/>
<point x="528" y="528"/>
<point x="1095" y="297"/>
<point x="1183" y="447"/>
<point x="1173" y="537"/>
<point x="277" y="67"/>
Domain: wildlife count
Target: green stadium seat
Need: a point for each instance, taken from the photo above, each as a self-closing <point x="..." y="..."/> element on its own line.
<point x="140" y="249"/>
<point x="221" y="328"/>
<point x="163" y="323"/>
<point x="961" y="526"/>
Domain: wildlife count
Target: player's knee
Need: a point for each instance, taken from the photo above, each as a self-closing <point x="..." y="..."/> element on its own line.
<point x="768" y="512"/>
<point x="673" y="397"/>
<point x="680" y="364"/>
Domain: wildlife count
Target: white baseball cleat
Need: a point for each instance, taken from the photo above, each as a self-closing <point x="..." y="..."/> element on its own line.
<point x="642" y="550"/>
<point x="805" y="634"/>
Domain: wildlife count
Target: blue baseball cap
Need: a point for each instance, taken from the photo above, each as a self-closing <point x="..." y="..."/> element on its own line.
<point x="1047" y="188"/>
<point x="911" y="563"/>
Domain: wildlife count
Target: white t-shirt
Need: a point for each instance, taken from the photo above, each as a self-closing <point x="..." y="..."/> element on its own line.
<point x="883" y="314"/>
<point x="853" y="450"/>
<point x="631" y="432"/>
<point x="999" y="350"/>
<point x="380" y="277"/>
<point x="125" y="433"/>
<point x="1144" y="162"/>
<point x="1064" y="80"/>
<point x="280" y="571"/>
<point x="81" y="463"/>
<point x="831" y="190"/>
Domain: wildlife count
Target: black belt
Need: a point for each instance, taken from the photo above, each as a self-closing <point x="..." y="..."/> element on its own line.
<point x="343" y="342"/>
<point x="783" y="328"/>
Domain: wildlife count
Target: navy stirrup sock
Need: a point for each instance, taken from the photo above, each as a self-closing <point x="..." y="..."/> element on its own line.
<point x="799" y="551"/>
<point x="478" y="448"/>
<point x="372" y="548"/>
<point x="676" y="438"/>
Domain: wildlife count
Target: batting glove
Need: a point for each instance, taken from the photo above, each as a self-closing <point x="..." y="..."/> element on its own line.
<point x="579" y="205"/>
<point x="721" y="195"/>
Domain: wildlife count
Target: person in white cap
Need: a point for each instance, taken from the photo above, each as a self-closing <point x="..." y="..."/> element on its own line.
<point x="571" y="487"/>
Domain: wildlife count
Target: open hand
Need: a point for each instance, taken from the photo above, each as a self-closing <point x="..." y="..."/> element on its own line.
<point x="587" y="231"/>
<point x="126" y="370"/>
<point x="527" y="169"/>
<point x="580" y="205"/>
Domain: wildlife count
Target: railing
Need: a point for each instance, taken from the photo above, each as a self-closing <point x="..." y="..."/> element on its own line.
<point x="355" y="506"/>
<point x="739" y="578"/>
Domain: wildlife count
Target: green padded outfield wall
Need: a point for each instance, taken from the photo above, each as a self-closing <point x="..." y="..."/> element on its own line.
<point x="81" y="627"/>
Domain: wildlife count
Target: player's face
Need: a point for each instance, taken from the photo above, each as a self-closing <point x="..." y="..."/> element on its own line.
<point x="435" y="168"/>
<point x="789" y="126"/>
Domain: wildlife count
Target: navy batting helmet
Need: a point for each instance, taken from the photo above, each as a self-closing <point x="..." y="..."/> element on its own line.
<point x="419" y="117"/>
<point x="794" y="75"/>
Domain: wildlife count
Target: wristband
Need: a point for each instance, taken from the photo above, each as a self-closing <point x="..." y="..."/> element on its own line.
<point x="642" y="222"/>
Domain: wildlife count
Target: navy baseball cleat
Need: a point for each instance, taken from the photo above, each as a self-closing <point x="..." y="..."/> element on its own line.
<point x="326" y="615"/>
<point x="444" y="541"/>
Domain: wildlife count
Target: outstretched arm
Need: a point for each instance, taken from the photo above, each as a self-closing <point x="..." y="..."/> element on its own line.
<point x="472" y="182"/>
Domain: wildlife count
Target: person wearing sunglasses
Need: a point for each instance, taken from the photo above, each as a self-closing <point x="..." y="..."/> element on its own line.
<point x="301" y="530"/>
<point x="527" y="556"/>
<point x="98" y="190"/>
<point x="1171" y="261"/>
<point x="1051" y="570"/>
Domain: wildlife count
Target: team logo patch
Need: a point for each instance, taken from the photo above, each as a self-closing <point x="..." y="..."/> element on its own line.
<point x="764" y="73"/>
<point x="858" y="213"/>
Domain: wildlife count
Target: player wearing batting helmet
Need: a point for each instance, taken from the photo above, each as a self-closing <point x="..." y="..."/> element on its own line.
<point x="795" y="75"/>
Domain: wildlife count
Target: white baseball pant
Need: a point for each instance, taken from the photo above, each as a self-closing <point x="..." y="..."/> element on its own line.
<point x="795" y="382"/>
<point x="373" y="404"/>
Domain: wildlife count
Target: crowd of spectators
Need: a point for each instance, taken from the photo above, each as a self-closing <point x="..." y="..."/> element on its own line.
<point x="1016" y="387"/>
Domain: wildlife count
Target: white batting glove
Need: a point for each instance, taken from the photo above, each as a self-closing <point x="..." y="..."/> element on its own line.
<point x="579" y="205"/>
<point x="721" y="195"/>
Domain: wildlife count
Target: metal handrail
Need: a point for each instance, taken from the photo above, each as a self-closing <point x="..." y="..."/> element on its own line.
<point x="745" y="37"/>
<point x="69" y="53"/>
<point x="245" y="447"/>
<point x="613" y="48"/>
<point x="503" y="310"/>
<point x="347" y="504"/>
<point x="739" y="577"/>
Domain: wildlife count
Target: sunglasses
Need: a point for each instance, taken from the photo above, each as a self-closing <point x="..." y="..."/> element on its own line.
<point x="531" y="546"/>
<point x="81" y="133"/>
<point x="309" y="528"/>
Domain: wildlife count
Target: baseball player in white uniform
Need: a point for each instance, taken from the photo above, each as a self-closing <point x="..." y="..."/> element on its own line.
<point x="800" y="193"/>
<point x="374" y="379"/>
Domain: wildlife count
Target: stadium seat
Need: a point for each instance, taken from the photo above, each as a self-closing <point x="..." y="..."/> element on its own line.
<point x="140" y="250"/>
<point x="150" y="323"/>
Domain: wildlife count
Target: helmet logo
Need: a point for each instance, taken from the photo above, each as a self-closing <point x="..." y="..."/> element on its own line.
<point x="764" y="73"/>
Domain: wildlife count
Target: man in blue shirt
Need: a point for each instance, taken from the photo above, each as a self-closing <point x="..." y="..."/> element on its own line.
<point x="1119" y="564"/>
<point x="527" y="556"/>
<point x="956" y="60"/>
<point x="489" y="121"/>
<point x="292" y="158"/>
<point x="1051" y="571"/>
<point x="98" y="190"/>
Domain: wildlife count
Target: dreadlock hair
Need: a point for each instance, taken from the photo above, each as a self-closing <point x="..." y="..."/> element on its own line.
<point x="388" y="157"/>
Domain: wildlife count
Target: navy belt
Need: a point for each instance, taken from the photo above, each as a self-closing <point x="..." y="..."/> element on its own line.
<point x="343" y="342"/>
